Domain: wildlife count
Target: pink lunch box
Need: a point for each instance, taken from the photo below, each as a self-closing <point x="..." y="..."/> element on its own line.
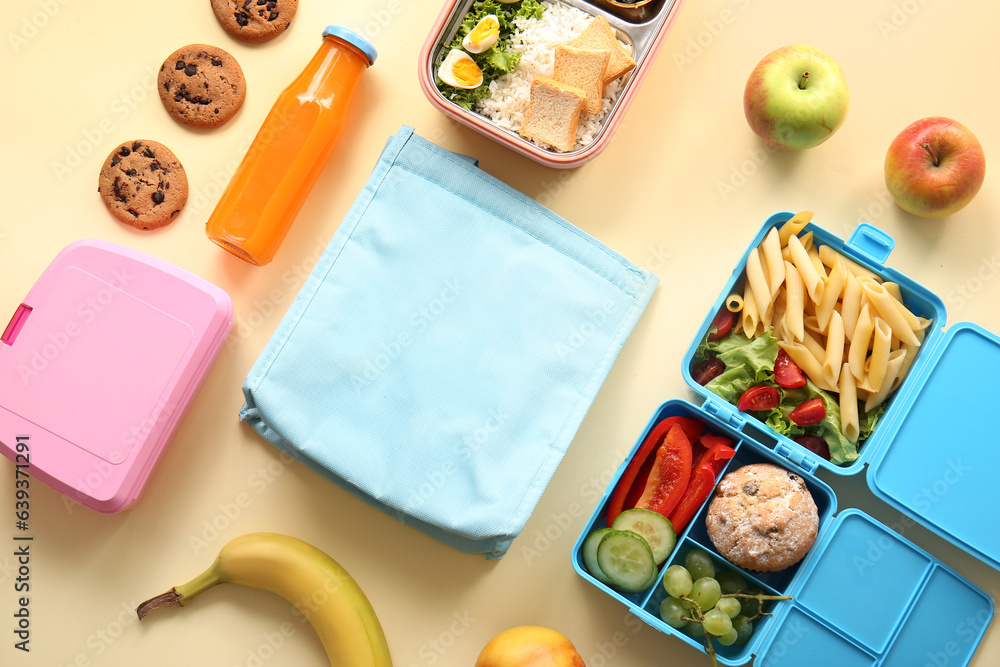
<point x="99" y="364"/>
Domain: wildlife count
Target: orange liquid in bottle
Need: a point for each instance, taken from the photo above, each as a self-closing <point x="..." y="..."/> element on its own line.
<point x="290" y="150"/>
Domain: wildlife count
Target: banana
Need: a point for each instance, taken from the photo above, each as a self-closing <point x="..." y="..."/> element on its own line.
<point x="305" y="576"/>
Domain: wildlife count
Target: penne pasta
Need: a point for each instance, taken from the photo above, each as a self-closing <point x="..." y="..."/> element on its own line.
<point x="879" y="359"/>
<point x="810" y="278"/>
<point x="849" y="423"/>
<point x="893" y="290"/>
<point x="793" y="226"/>
<point x="831" y="294"/>
<point x="748" y="316"/>
<point x="757" y="282"/>
<point x="815" y="347"/>
<point x="829" y="256"/>
<point x="734" y="303"/>
<point x="834" y="350"/>
<point x="850" y="307"/>
<point x="858" y="349"/>
<point x="767" y="319"/>
<point x="816" y="262"/>
<point x="794" y="302"/>
<point x="774" y="264"/>
<point x="876" y="398"/>
<point x="908" y="353"/>
<point x="891" y="311"/>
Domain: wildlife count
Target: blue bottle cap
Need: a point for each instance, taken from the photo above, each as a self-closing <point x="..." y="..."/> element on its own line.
<point x="353" y="39"/>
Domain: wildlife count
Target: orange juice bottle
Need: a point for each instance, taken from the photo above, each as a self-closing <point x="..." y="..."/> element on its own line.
<point x="290" y="149"/>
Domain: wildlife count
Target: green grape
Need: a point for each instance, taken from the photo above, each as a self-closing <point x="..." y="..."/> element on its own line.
<point x="731" y="582"/>
<point x="694" y="629"/>
<point x="744" y="628"/>
<point x="677" y="581"/>
<point x="671" y="611"/>
<point x="705" y="592"/>
<point x="729" y="638"/>
<point x="717" y="623"/>
<point x="729" y="606"/>
<point x="699" y="564"/>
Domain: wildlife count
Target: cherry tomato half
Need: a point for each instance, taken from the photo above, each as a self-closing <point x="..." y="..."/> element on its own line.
<point x="808" y="412"/>
<point x="723" y="322"/>
<point x="758" y="398"/>
<point x="708" y="370"/>
<point x="787" y="373"/>
<point x="815" y="444"/>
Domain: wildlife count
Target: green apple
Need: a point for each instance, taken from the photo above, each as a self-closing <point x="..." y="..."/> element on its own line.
<point x="796" y="97"/>
<point x="934" y="167"/>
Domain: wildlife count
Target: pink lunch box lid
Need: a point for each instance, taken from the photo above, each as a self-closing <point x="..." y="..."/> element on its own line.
<point x="99" y="364"/>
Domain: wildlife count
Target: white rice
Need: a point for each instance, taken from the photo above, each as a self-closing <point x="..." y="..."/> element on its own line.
<point x="536" y="40"/>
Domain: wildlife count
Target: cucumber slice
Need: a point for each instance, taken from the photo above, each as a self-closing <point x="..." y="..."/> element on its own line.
<point x="626" y="560"/>
<point x="589" y="553"/>
<point x="655" y="528"/>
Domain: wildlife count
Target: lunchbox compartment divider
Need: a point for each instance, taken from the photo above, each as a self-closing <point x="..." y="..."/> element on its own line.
<point x="861" y="556"/>
<point x="970" y="629"/>
<point x="790" y="636"/>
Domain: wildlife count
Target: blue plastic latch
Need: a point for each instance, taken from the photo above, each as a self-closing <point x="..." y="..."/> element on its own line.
<point x="871" y="243"/>
<point x="797" y="457"/>
<point x="724" y="412"/>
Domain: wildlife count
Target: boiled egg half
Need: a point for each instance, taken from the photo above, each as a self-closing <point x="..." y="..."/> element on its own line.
<point x="459" y="70"/>
<point x="484" y="35"/>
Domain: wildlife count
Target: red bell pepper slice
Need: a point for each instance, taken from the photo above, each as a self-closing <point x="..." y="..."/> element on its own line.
<point x="717" y="452"/>
<point x="619" y="497"/>
<point x="699" y="487"/>
<point x="668" y="478"/>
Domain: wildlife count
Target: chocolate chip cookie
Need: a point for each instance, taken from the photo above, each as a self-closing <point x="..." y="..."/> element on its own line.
<point x="143" y="184"/>
<point x="762" y="518"/>
<point x="201" y="85"/>
<point x="254" y="20"/>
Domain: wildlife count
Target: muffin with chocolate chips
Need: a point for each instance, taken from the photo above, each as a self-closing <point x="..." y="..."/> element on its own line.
<point x="143" y="184"/>
<point x="762" y="518"/>
<point x="254" y="20"/>
<point x="201" y="85"/>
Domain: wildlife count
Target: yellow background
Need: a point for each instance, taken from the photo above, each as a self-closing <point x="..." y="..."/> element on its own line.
<point x="680" y="191"/>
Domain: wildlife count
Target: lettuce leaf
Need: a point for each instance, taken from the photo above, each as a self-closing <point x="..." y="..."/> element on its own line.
<point x="496" y="60"/>
<point x="750" y="362"/>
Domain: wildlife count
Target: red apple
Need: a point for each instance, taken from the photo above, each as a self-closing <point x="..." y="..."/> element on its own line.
<point x="529" y="646"/>
<point x="934" y="167"/>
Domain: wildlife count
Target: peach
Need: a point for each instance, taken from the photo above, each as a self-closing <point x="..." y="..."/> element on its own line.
<point x="529" y="646"/>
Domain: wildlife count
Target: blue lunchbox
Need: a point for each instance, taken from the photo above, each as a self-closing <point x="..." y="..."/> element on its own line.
<point x="863" y="595"/>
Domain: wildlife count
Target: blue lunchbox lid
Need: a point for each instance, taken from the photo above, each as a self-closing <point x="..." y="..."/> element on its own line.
<point x="939" y="459"/>
<point x="865" y="595"/>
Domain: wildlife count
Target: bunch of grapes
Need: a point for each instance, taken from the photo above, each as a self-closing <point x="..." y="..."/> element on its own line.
<point x="707" y="604"/>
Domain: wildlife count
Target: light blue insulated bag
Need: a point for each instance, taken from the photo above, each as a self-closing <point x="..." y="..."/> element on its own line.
<point x="443" y="352"/>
